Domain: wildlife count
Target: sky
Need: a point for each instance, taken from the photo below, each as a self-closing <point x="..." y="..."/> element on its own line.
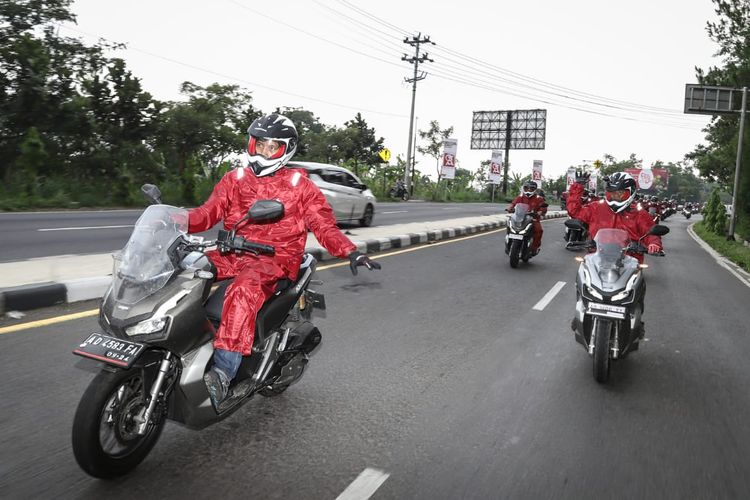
<point x="611" y="75"/>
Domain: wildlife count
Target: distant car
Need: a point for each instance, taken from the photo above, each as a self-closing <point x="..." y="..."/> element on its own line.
<point x="350" y="199"/>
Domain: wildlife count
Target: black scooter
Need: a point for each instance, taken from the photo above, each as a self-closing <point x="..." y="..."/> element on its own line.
<point x="158" y="321"/>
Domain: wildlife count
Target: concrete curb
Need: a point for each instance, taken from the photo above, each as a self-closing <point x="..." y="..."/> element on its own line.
<point x="26" y="297"/>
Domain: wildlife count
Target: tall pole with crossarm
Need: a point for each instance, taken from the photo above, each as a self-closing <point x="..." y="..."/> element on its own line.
<point x="414" y="41"/>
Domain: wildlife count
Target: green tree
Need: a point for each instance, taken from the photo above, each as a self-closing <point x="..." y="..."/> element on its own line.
<point x="40" y="73"/>
<point x="208" y="126"/>
<point x="358" y="145"/>
<point x="715" y="214"/>
<point x="716" y="160"/>
<point x="33" y="157"/>
<point x="434" y="137"/>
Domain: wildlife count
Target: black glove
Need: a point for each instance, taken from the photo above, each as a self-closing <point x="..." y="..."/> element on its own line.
<point x="360" y="259"/>
<point x="582" y="177"/>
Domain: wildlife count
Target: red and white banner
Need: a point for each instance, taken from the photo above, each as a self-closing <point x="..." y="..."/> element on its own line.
<point x="571" y="177"/>
<point x="656" y="179"/>
<point x="536" y="173"/>
<point x="448" y="168"/>
<point x="592" y="181"/>
<point x="496" y="167"/>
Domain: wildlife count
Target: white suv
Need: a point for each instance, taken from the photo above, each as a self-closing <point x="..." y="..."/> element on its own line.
<point x="351" y="200"/>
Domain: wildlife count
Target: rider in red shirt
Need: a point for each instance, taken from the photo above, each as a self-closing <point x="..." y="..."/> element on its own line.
<point x="537" y="205"/>
<point x="272" y="143"/>
<point x="618" y="211"/>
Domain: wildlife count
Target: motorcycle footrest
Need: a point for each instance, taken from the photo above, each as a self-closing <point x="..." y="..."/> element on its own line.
<point x="317" y="299"/>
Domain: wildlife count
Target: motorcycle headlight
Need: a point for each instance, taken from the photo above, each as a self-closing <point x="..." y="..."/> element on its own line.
<point x="594" y="293"/>
<point x="620" y="296"/>
<point x="151" y="325"/>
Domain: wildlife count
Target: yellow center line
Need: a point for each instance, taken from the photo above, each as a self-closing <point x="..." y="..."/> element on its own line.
<point x="47" y="322"/>
<point x="94" y="312"/>
<point x="416" y="248"/>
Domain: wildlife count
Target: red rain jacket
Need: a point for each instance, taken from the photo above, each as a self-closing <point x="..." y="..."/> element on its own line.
<point x="534" y="202"/>
<point x="599" y="216"/>
<point x="304" y="207"/>
<point x="256" y="276"/>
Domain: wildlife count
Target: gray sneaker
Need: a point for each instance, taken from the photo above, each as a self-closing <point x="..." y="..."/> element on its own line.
<point x="217" y="384"/>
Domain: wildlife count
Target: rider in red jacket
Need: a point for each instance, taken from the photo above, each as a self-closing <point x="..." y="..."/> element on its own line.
<point x="617" y="211"/>
<point x="272" y="142"/>
<point x="538" y="205"/>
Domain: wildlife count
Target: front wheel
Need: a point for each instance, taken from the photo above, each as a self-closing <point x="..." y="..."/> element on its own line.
<point x="515" y="253"/>
<point x="105" y="441"/>
<point x="602" y="329"/>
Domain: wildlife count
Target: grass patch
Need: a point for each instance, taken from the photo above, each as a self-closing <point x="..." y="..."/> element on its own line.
<point x="732" y="250"/>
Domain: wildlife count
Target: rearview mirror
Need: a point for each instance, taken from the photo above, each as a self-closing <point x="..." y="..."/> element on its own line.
<point x="658" y="230"/>
<point x="151" y="193"/>
<point x="362" y="187"/>
<point x="265" y="210"/>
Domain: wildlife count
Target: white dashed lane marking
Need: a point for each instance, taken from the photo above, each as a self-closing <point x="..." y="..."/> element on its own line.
<point x="365" y="485"/>
<point x="549" y="296"/>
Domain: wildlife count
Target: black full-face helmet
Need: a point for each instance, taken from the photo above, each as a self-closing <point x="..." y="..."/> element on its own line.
<point x="619" y="191"/>
<point x="272" y="143"/>
<point x="529" y="188"/>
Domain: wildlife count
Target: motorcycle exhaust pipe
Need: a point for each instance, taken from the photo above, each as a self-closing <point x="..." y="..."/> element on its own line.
<point x="305" y="338"/>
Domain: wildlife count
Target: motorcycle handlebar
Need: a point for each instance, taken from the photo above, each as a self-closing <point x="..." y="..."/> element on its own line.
<point x="257" y="247"/>
<point x="240" y="243"/>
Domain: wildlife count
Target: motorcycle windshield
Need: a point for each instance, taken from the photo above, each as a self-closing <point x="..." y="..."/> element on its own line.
<point x="521" y="210"/>
<point x="145" y="265"/>
<point x="611" y="244"/>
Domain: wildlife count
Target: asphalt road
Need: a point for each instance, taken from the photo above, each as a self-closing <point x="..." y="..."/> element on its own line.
<point x="437" y="371"/>
<point x="42" y="234"/>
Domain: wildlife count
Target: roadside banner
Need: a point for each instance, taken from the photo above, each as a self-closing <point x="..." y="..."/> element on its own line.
<point x="656" y="179"/>
<point x="571" y="177"/>
<point x="536" y="172"/>
<point x="448" y="168"/>
<point x="496" y="167"/>
<point x="593" y="181"/>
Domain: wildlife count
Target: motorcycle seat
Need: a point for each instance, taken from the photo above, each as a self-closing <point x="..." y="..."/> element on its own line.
<point x="284" y="292"/>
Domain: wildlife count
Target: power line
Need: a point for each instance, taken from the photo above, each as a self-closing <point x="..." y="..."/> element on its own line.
<point x="231" y="77"/>
<point x="532" y="82"/>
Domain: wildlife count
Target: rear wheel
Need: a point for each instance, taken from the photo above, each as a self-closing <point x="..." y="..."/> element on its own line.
<point x="105" y="441"/>
<point x="366" y="220"/>
<point x="602" y="329"/>
<point x="515" y="253"/>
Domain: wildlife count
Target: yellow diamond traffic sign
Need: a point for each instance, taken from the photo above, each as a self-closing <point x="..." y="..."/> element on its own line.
<point x="385" y="154"/>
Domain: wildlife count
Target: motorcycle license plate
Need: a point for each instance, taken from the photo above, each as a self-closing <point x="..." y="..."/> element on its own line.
<point x="607" y="310"/>
<point x="110" y="350"/>
<point x="514" y="236"/>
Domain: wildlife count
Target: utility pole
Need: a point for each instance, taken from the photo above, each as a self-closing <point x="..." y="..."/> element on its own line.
<point x="415" y="42"/>
<point x="737" y="165"/>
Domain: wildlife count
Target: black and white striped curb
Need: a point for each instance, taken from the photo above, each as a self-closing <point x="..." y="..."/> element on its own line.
<point x="405" y="240"/>
<point x="27" y="297"/>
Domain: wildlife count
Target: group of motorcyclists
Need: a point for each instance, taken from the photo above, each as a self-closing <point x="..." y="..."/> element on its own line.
<point x="258" y="276"/>
<point x="272" y="142"/>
